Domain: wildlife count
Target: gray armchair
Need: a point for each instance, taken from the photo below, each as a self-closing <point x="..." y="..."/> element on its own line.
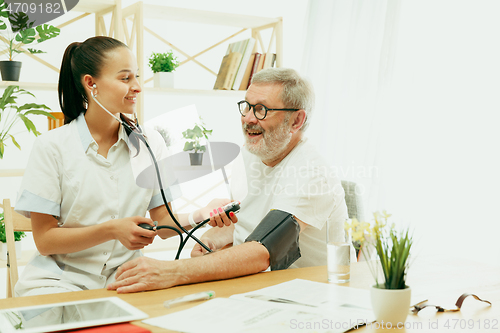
<point x="353" y="200"/>
<point x="354" y="206"/>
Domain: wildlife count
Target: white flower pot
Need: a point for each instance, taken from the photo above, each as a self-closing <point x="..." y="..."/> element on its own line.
<point x="163" y="80"/>
<point x="3" y="254"/>
<point x="390" y="305"/>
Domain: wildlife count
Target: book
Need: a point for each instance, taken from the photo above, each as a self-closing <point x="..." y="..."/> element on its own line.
<point x="246" y="75"/>
<point x="245" y="58"/>
<point x="270" y="60"/>
<point x="260" y="66"/>
<point x="227" y="70"/>
<point x="254" y="68"/>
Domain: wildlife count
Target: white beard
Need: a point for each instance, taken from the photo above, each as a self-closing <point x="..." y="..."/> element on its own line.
<point x="272" y="143"/>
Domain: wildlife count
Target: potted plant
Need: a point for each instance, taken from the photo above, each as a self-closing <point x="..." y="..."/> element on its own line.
<point x="18" y="235"/>
<point x="17" y="32"/>
<point x="11" y="113"/>
<point x="163" y="65"/>
<point x="193" y="143"/>
<point x="390" y="295"/>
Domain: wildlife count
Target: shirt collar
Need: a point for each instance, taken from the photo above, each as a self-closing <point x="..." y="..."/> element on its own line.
<point x="87" y="139"/>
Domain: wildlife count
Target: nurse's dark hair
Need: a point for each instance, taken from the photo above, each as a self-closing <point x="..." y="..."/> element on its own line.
<point x="79" y="60"/>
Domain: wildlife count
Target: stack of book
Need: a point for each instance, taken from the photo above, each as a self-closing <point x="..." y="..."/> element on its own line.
<point x="239" y="65"/>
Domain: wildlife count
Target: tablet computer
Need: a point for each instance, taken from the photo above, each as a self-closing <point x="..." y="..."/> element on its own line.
<point x="68" y="315"/>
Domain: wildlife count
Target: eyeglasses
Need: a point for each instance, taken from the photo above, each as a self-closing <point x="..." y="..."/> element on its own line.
<point x="417" y="307"/>
<point x="259" y="110"/>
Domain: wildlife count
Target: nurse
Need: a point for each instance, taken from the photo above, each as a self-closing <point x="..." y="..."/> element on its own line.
<point x="79" y="189"/>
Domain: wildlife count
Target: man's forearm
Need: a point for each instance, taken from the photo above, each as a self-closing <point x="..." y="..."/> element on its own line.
<point x="244" y="259"/>
<point x="145" y="273"/>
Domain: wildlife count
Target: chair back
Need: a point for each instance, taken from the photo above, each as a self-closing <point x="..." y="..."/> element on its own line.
<point x="13" y="222"/>
<point x="353" y="200"/>
<point x="58" y="122"/>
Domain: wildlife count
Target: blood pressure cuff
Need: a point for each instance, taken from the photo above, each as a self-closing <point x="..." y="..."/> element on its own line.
<point x="279" y="233"/>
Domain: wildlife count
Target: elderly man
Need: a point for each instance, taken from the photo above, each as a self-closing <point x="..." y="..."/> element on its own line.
<point x="288" y="195"/>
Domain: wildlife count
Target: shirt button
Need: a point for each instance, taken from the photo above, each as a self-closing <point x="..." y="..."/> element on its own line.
<point x="112" y="216"/>
<point x="101" y="277"/>
<point x="105" y="253"/>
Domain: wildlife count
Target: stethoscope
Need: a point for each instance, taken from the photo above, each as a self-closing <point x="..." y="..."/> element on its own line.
<point x="137" y="132"/>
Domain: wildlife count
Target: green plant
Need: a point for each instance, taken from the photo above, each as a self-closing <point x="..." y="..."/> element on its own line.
<point x="23" y="32"/>
<point x="11" y="113"/>
<point x="392" y="248"/>
<point x="163" y="62"/>
<point x="18" y="235"/>
<point x="194" y="137"/>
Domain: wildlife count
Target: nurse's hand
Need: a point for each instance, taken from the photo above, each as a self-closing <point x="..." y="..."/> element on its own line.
<point x="215" y="211"/>
<point x="128" y="232"/>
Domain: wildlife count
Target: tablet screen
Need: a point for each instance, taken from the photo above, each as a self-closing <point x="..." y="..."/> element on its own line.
<point x="68" y="315"/>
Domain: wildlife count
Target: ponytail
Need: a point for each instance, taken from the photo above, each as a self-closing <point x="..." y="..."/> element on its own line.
<point x="79" y="60"/>
<point x="71" y="99"/>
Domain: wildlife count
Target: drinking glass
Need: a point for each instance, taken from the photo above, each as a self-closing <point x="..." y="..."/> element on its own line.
<point x="338" y="243"/>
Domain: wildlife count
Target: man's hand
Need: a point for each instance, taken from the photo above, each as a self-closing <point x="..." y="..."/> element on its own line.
<point x="143" y="274"/>
<point x="199" y="251"/>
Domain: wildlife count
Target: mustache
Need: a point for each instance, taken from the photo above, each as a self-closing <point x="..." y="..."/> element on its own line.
<point x="253" y="127"/>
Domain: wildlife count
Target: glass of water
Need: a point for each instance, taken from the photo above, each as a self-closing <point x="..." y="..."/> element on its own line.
<point x="338" y="243"/>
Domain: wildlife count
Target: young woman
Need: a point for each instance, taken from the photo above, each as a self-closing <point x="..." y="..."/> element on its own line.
<point x="79" y="188"/>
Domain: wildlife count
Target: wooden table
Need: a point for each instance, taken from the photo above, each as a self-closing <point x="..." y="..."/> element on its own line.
<point x="440" y="280"/>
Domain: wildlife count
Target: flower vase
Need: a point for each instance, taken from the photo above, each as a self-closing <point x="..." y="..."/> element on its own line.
<point x="390" y="305"/>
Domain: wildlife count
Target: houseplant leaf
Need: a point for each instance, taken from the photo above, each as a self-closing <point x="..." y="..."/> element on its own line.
<point x="40" y="112"/>
<point x="34" y="51"/>
<point x="19" y="21"/>
<point x="33" y="107"/>
<point x="3" y="13"/>
<point x="188" y="146"/>
<point x="26" y="36"/>
<point x="15" y="142"/>
<point x="47" y="32"/>
<point x="7" y="97"/>
<point x="28" y="123"/>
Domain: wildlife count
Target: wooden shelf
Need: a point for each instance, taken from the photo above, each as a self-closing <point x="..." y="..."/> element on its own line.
<point x="195" y="91"/>
<point x="206" y="17"/>
<point x="53" y="86"/>
<point x="94" y="6"/>
<point x="11" y="172"/>
<point x="29" y="85"/>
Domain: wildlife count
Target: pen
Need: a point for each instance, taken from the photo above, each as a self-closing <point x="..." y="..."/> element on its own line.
<point x="188" y="298"/>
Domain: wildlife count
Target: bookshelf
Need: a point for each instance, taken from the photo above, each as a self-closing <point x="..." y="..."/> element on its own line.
<point x="139" y="13"/>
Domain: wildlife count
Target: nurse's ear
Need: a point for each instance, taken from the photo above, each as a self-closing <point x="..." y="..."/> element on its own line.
<point x="90" y="85"/>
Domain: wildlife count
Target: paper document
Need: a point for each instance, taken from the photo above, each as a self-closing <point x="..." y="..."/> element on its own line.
<point x="293" y="306"/>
